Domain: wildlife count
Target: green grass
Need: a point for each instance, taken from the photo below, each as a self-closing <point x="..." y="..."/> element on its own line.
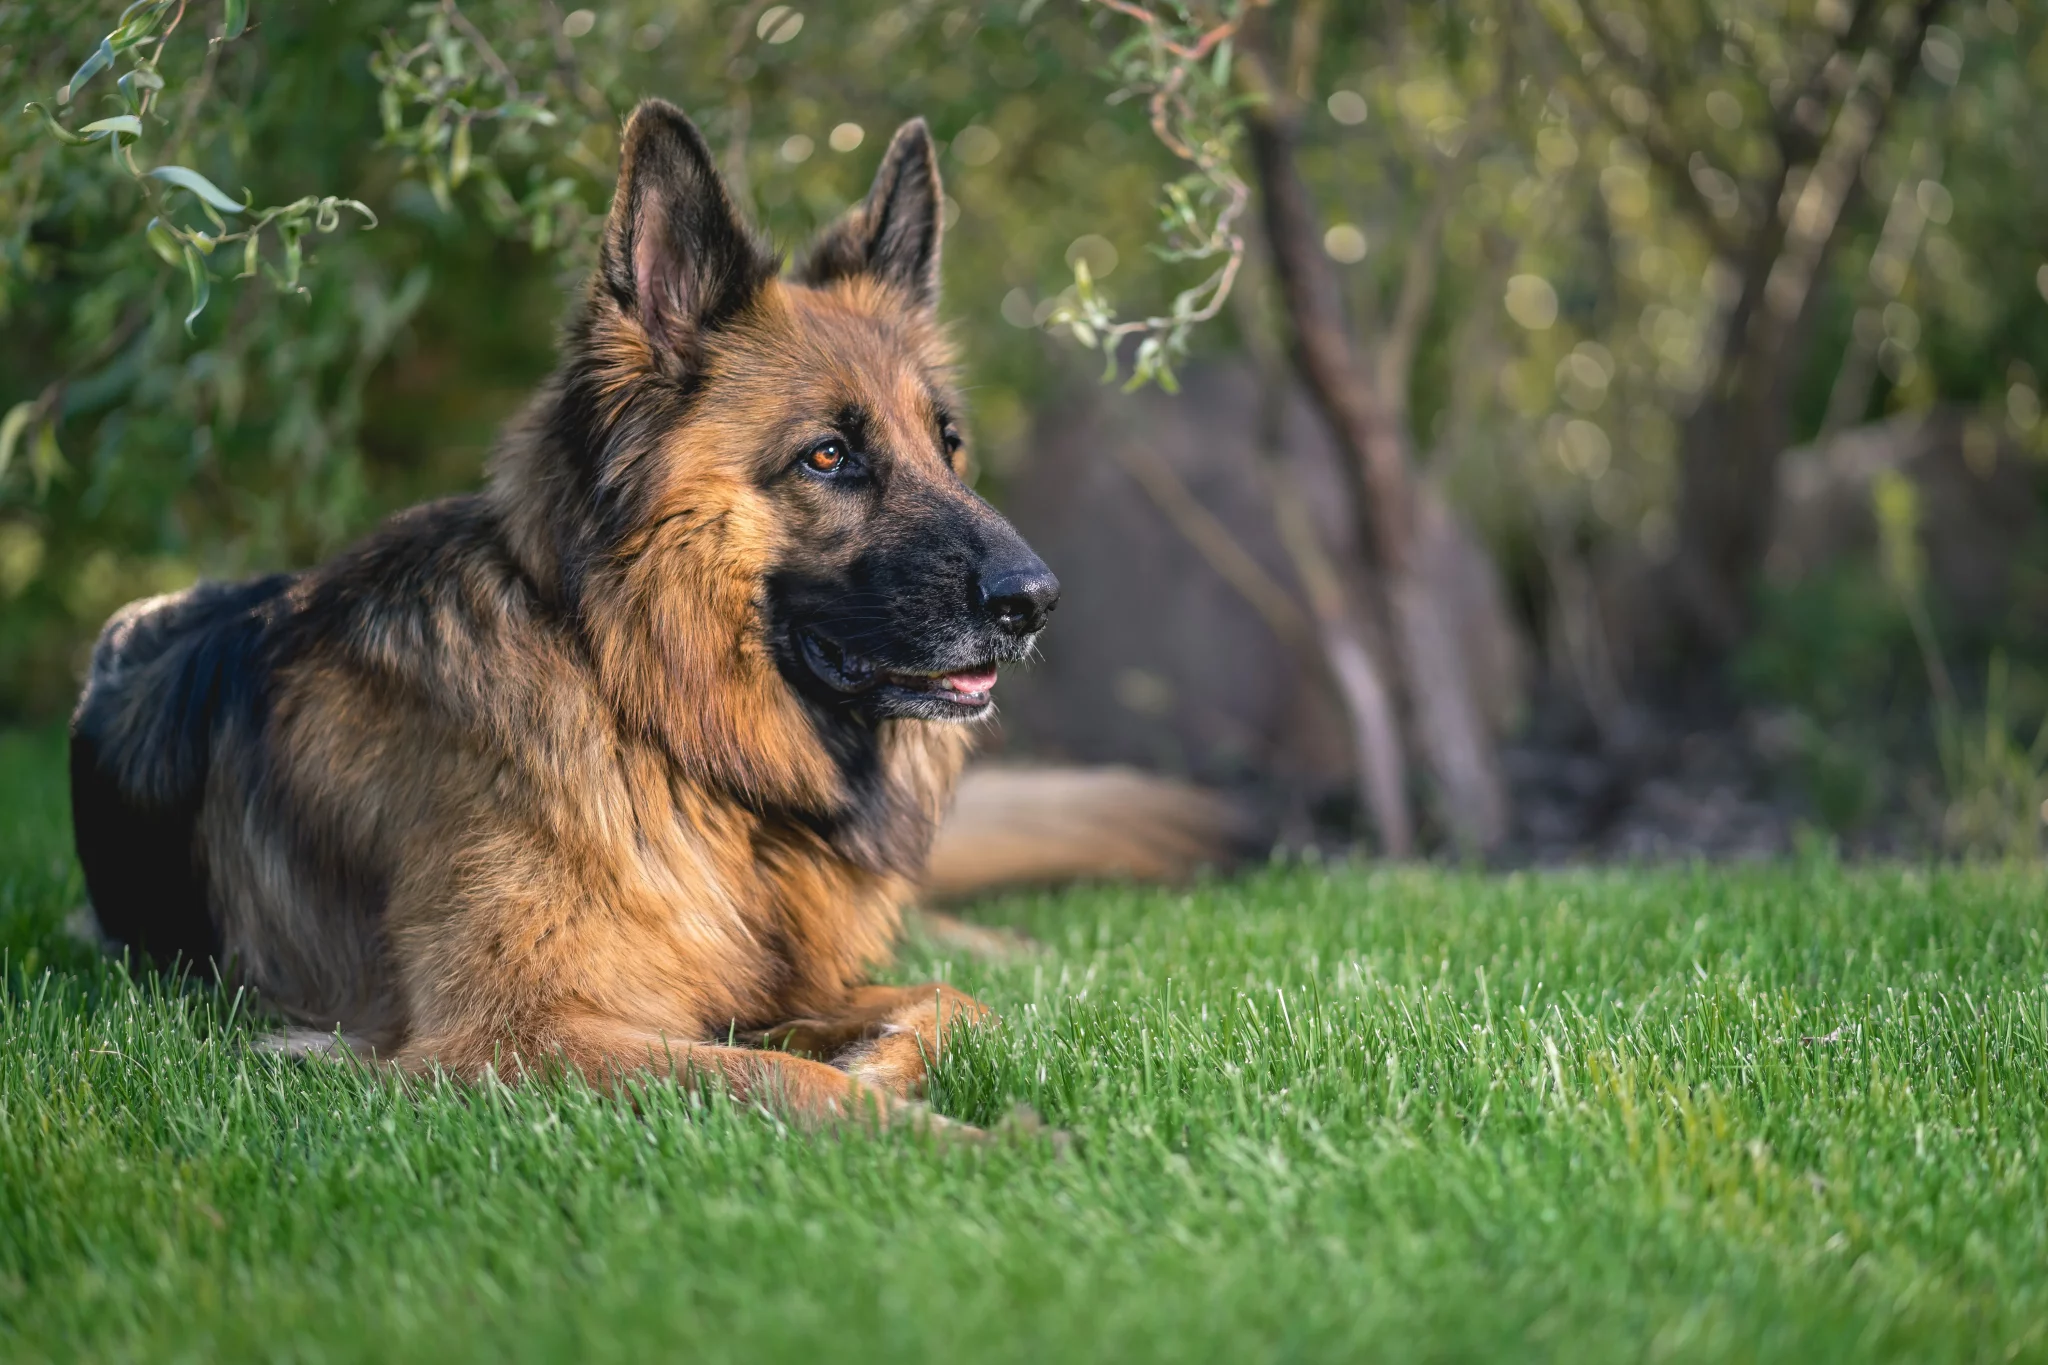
<point x="1791" y="1114"/>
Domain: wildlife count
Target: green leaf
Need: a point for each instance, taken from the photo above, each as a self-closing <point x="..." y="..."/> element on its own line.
<point x="140" y="79"/>
<point x="458" y="159"/>
<point x="48" y="461"/>
<point x="137" y="22"/>
<point x="208" y="192"/>
<point x="202" y="287"/>
<point x="100" y="60"/>
<point x="54" y="128"/>
<point x="235" y="20"/>
<point x="11" y="427"/>
<point x="109" y="127"/>
<point x="164" y="242"/>
<point x="1219" y="70"/>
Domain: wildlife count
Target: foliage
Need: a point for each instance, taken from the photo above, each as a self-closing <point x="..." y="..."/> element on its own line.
<point x="1997" y="775"/>
<point x="483" y="138"/>
<point x="141" y="91"/>
<point x="1834" y="657"/>
<point x="1322" y="1113"/>
<point x="1856" y="656"/>
<point x="233" y="445"/>
<point x="1998" y="786"/>
<point x="1182" y="69"/>
<point x="1564" y="344"/>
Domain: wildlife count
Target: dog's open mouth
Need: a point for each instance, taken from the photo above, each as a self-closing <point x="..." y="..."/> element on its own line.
<point x="969" y="689"/>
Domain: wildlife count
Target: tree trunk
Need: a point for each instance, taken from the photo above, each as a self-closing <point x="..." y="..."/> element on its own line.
<point x="1730" y="445"/>
<point x="1727" y="473"/>
<point x="1402" y="526"/>
<point x="1360" y="682"/>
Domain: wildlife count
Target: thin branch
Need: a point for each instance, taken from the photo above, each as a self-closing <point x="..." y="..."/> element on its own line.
<point x="148" y="100"/>
<point x="1354" y="669"/>
<point x="483" y="46"/>
<point x="1218" y="547"/>
<point x="1173" y="123"/>
<point x="568" y="68"/>
<point x="1198" y="51"/>
<point x="1394" y="360"/>
<point x="1654" y="135"/>
<point x="1375" y="452"/>
<point x="1797" y="144"/>
<point x="1829" y="187"/>
<point x="1304" y="45"/>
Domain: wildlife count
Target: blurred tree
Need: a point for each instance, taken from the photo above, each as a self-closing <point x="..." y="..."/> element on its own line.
<point x="1578" y="272"/>
<point x="1364" y="390"/>
<point x="1401" y="662"/>
<point x="1759" y="121"/>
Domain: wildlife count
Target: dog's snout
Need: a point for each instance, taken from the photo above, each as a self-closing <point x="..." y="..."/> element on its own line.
<point x="1018" y="597"/>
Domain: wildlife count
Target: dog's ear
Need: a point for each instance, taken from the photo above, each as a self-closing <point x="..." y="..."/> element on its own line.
<point x="893" y="234"/>
<point x="676" y="256"/>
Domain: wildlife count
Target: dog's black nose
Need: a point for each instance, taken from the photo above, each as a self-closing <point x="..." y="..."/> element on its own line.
<point x="1020" y="597"/>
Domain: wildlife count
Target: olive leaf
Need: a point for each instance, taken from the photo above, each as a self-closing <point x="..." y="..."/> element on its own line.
<point x="113" y="127"/>
<point x="54" y="128"/>
<point x="102" y="57"/>
<point x="11" y="427"/>
<point x="202" y="285"/>
<point x="208" y="192"/>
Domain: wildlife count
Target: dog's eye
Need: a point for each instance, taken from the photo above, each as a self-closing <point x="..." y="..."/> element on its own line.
<point x="950" y="437"/>
<point x="826" y="457"/>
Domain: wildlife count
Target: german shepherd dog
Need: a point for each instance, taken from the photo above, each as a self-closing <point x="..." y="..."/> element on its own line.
<point x="631" y="759"/>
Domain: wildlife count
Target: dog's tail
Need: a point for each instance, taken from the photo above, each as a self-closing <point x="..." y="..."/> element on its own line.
<point x="1036" y="826"/>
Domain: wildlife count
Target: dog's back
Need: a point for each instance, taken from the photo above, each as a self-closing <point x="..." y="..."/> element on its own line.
<point x="167" y="673"/>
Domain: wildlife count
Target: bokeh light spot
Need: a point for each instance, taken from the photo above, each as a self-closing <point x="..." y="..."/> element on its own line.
<point x="1531" y="301"/>
<point x="1345" y="244"/>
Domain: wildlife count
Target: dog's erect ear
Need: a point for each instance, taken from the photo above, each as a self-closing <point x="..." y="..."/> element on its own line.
<point x="894" y="233"/>
<point x="677" y="256"/>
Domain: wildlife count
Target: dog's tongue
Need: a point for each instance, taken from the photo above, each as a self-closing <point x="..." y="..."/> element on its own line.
<point x="969" y="682"/>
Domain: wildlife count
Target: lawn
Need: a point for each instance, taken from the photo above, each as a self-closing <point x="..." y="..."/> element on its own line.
<point x="1792" y="1114"/>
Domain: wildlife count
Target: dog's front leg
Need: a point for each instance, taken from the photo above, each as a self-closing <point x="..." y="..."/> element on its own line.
<point x="806" y="1092"/>
<point x="885" y="1036"/>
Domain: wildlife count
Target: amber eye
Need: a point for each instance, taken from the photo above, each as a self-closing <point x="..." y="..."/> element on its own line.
<point x="951" y="438"/>
<point x="826" y="457"/>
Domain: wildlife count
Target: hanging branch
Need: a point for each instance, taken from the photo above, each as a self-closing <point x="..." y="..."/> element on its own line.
<point x="139" y="38"/>
<point x="1183" y="68"/>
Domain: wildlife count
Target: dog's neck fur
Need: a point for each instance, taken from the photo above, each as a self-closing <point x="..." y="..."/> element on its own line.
<point x="873" y="793"/>
<point x="667" y="597"/>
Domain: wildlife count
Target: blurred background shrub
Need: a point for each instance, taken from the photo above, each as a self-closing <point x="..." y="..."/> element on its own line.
<point x="1659" y="299"/>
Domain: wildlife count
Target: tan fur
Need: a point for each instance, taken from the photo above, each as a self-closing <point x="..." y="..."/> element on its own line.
<point x="613" y="900"/>
<point x="519" y="782"/>
<point x="1014" y="826"/>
